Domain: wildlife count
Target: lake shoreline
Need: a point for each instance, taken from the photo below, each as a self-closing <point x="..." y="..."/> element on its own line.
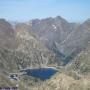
<point x="39" y="68"/>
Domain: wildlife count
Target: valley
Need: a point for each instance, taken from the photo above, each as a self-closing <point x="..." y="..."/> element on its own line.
<point x="45" y="54"/>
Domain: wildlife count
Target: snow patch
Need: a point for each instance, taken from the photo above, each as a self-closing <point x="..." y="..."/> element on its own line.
<point x="54" y="26"/>
<point x="29" y="23"/>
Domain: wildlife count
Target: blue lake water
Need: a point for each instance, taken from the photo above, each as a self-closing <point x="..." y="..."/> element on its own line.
<point x="42" y="73"/>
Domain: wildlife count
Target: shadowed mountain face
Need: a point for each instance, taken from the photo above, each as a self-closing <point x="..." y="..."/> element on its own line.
<point x="76" y="40"/>
<point x="51" y="30"/>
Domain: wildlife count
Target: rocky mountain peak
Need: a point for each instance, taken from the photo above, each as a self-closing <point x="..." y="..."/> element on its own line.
<point x="7" y="34"/>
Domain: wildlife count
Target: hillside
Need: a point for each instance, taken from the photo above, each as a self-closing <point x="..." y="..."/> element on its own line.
<point x="81" y="63"/>
<point x="63" y="38"/>
<point x="64" y="82"/>
<point x="76" y="40"/>
<point x="28" y="52"/>
<point x="75" y="75"/>
<point x="50" y="31"/>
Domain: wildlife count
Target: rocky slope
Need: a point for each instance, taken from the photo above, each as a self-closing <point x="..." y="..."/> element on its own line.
<point x="64" y="82"/>
<point x="31" y="46"/>
<point x="65" y="39"/>
<point x="75" y="75"/>
<point x="51" y="31"/>
<point x="76" y="40"/>
<point x="21" y="49"/>
<point x="81" y="63"/>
